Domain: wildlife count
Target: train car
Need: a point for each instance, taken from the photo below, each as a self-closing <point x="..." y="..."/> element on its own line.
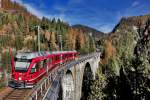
<point x="29" y="68"/>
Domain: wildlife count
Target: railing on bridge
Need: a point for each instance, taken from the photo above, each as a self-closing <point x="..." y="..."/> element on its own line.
<point x="41" y="90"/>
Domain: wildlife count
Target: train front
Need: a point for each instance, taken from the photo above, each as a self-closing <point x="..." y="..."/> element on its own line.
<point x="19" y="72"/>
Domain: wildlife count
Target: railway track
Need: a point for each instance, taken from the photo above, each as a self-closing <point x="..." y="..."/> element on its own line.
<point x="17" y="94"/>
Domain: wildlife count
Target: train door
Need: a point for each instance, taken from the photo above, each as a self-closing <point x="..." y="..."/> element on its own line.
<point x="33" y="73"/>
<point x="42" y="66"/>
<point x="37" y="70"/>
<point x="50" y="63"/>
<point x="45" y="65"/>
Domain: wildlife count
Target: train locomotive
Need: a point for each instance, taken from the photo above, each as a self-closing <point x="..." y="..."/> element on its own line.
<point x="29" y="68"/>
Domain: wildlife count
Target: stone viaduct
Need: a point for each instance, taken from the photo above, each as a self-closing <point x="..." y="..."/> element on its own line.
<point x="75" y="80"/>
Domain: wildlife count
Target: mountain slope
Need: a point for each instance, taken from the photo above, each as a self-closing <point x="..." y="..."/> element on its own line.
<point x="130" y="22"/>
<point x="96" y="34"/>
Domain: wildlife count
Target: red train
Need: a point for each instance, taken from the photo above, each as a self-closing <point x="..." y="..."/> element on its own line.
<point x="29" y="68"/>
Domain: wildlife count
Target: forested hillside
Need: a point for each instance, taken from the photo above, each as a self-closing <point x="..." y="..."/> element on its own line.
<point x="124" y="72"/>
<point x="21" y="27"/>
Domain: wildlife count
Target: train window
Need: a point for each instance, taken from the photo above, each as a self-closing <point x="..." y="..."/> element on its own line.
<point x="41" y="64"/>
<point x="37" y="66"/>
<point x="45" y="63"/>
<point x="33" y="69"/>
<point x="21" y="66"/>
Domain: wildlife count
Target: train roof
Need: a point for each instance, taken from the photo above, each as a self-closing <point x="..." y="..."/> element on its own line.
<point x="31" y="55"/>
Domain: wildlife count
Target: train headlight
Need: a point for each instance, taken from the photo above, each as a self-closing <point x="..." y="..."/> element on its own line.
<point x="19" y="78"/>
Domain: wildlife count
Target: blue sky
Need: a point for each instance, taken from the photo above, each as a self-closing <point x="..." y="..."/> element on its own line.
<point x="99" y="14"/>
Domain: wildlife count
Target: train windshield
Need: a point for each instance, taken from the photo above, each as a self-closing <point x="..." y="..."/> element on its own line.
<point x="21" y="65"/>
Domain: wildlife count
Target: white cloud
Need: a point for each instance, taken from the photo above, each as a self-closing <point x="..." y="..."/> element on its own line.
<point x="136" y="10"/>
<point x="106" y="28"/>
<point x="31" y="8"/>
<point x="135" y="3"/>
